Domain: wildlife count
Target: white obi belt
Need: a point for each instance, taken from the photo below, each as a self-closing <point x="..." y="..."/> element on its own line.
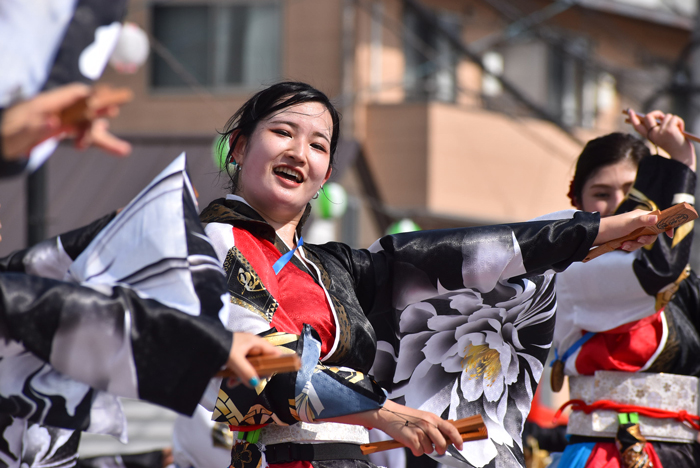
<point x="668" y="392"/>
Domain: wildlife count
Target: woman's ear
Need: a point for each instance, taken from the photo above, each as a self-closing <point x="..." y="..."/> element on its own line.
<point x="240" y="142"/>
<point x="328" y="175"/>
<point x="577" y="204"/>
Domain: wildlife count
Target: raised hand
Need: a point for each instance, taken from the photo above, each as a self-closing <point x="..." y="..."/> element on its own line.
<point x="665" y="131"/>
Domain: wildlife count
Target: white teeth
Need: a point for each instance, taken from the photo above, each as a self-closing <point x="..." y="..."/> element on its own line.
<point x="290" y="172"/>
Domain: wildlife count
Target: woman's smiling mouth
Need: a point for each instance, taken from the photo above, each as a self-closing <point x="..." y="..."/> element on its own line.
<point x="289" y="174"/>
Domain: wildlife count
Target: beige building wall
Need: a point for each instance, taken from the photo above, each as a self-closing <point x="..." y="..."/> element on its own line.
<point x="471" y="164"/>
<point x="397" y="152"/>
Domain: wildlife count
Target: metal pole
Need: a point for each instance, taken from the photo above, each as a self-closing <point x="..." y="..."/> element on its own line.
<point x="36" y="205"/>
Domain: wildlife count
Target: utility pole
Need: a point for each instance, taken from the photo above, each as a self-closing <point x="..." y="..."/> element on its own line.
<point x="37" y="200"/>
<point x="348" y="68"/>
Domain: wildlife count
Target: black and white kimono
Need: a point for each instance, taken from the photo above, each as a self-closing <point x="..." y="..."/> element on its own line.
<point x="462" y="319"/>
<point x="132" y="305"/>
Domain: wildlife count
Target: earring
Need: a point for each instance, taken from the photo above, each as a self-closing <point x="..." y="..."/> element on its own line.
<point x="317" y="194"/>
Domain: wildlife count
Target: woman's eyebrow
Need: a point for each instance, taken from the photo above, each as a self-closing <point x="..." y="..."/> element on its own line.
<point x="295" y="126"/>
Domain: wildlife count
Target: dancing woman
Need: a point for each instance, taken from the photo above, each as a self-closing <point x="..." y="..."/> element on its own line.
<point x="616" y="329"/>
<point x="331" y="304"/>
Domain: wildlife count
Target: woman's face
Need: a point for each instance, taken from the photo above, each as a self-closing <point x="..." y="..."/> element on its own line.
<point x="607" y="187"/>
<point x="286" y="160"/>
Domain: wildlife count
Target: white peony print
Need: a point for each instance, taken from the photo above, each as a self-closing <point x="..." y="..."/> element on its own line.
<point x="463" y="353"/>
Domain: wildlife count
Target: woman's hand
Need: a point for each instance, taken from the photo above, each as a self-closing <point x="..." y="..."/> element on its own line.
<point x="28" y="123"/>
<point x="665" y="131"/>
<point x="420" y="431"/>
<point x="246" y="344"/>
<point x="614" y="227"/>
<point x="97" y="134"/>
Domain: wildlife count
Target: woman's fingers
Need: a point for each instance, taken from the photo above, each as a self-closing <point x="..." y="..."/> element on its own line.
<point x="60" y="98"/>
<point x="102" y="138"/>
<point x="640" y="124"/>
<point x="439" y="441"/>
<point x="434" y="440"/>
<point x="419" y="442"/>
<point x="680" y="123"/>
<point x="640" y="242"/>
<point x="650" y="122"/>
<point x="427" y="433"/>
<point x="452" y="434"/>
<point x="426" y="444"/>
<point x="245" y="344"/>
<point x="439" y="434"/>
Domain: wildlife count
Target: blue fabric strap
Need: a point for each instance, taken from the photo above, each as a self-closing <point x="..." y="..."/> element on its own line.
<point x="572" y="349"/>
<point x="576" y="455"/>
<point x="284" y="259"/>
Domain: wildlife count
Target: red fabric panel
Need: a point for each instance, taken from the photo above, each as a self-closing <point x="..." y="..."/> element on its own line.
<point x="543" y="415"/>
<point x="300" y="299"/>
<point x="625" y="348"/>
<point x="605" y="455"/>
<point x="297" y="464"/>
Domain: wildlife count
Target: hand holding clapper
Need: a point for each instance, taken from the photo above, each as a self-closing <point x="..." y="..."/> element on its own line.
<point x="669" y="218"/>
<point x="471" y="428"/>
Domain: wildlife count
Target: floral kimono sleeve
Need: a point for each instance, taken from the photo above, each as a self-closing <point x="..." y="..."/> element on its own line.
<point x="464" y="320"/>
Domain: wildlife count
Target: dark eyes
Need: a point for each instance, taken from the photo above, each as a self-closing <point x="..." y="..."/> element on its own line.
<point x="285" y="133"/>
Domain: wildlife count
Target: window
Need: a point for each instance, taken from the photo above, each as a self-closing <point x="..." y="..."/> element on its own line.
<point x="558" y="77"/>
<point x="216" y="46"/>
<point x="431" y="60"/>
<point x="571" y="83"/>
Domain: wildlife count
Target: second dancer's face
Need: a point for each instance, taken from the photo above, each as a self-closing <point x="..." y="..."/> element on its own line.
<point x="606" y="188"/>
<point x="286" y="160"/>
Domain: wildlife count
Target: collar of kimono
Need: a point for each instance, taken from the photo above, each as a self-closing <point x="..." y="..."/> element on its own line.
<point x="235" y="208"/>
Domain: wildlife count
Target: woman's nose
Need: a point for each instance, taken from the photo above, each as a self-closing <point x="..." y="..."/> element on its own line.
<point x="298" y="149"/>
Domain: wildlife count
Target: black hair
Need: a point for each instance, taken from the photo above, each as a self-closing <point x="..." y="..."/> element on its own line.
<point x="270" y="100"/>
<point x="605" y="151"/>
